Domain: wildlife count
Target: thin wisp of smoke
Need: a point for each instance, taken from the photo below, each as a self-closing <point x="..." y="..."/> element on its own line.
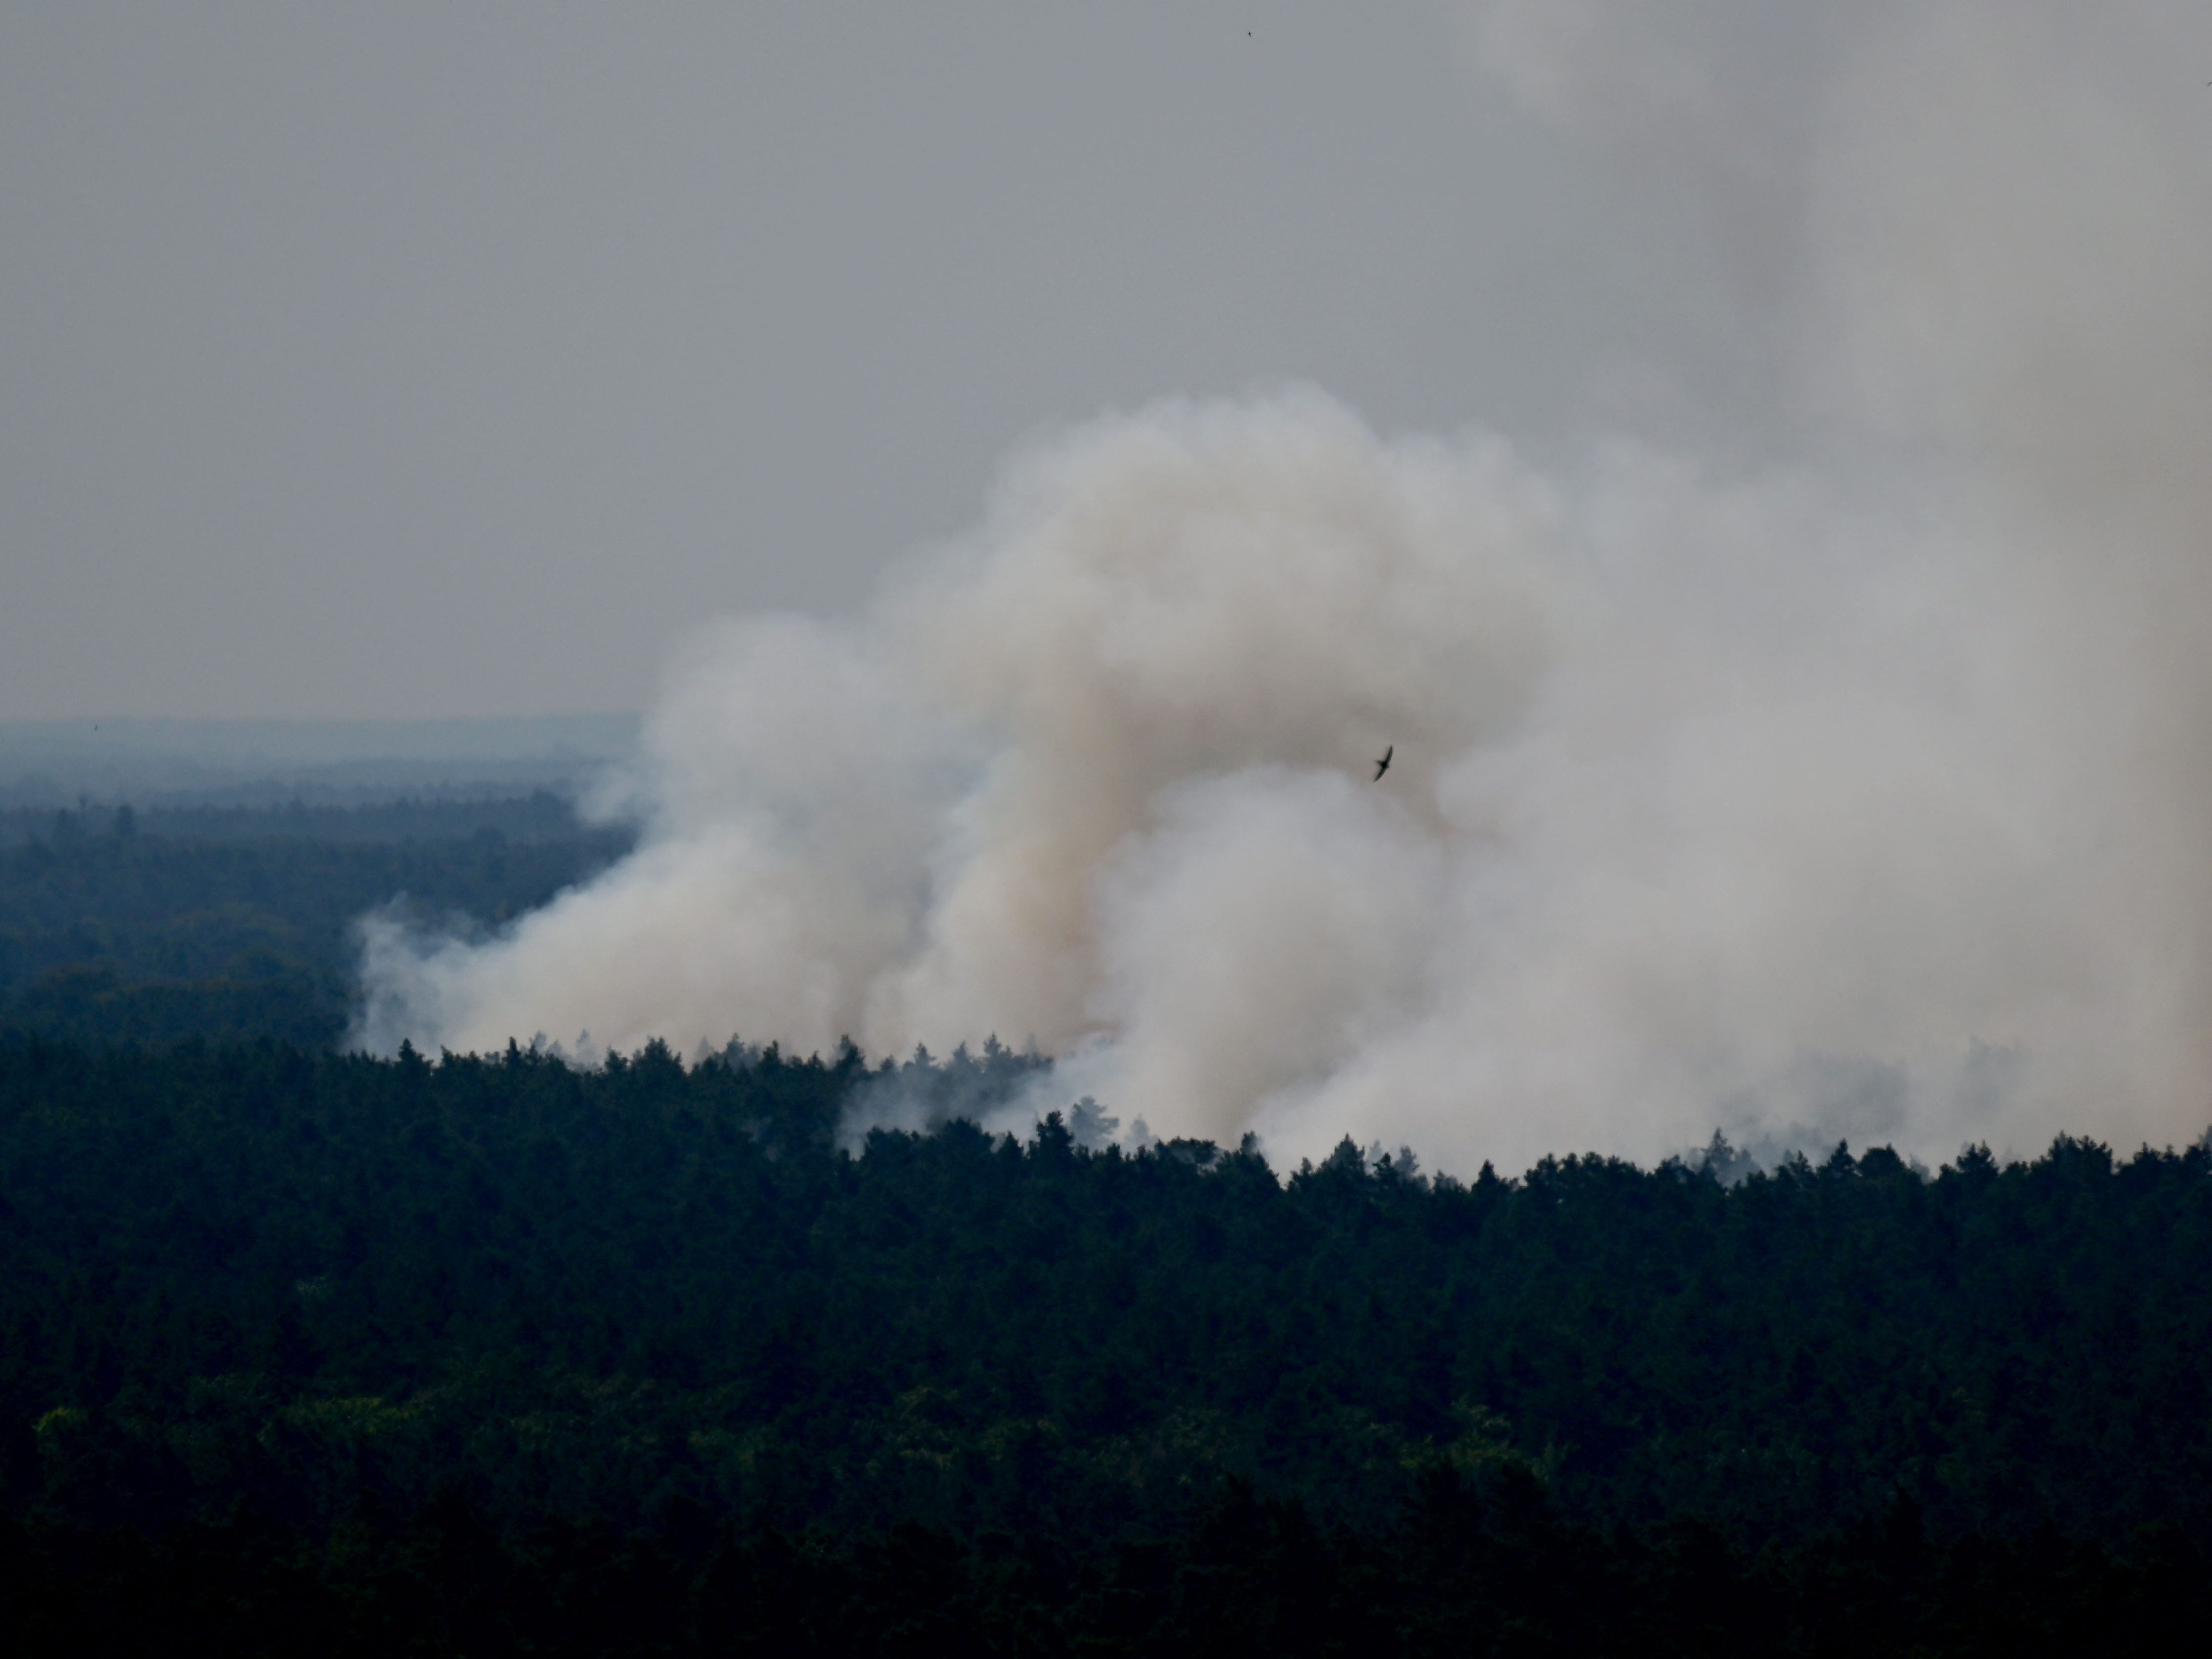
<point x="1865" y="796"/>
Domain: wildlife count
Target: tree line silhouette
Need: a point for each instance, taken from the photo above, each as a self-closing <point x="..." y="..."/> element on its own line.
<point x="501" y="1354"/>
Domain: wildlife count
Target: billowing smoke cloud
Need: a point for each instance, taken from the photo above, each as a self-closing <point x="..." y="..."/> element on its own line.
<point x="1870" y="795"/>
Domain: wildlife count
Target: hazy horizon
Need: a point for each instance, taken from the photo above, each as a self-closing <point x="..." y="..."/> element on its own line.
<point x="141" y="759"/>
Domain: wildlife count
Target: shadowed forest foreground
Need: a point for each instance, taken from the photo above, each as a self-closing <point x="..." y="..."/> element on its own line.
<point x="502" y="1355"/>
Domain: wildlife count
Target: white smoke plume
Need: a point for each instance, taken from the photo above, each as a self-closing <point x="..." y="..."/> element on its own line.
<point x="1869" y="795"/>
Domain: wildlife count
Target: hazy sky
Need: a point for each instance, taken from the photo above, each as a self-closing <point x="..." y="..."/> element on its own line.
<point x="410" y="360"/>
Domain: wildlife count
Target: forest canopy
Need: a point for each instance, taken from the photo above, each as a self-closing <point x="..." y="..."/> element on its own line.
<point x="506" y="1353"/>
<point x="342" y="1297"/>
<point x="119" y="924"/>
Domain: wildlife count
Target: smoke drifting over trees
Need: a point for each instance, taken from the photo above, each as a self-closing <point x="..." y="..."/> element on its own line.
<point x="1860" y="791"/>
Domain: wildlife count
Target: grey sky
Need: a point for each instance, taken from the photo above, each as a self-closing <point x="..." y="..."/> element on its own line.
<point x="404" y="361"/>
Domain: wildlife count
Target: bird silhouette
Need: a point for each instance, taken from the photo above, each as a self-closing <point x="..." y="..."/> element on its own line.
<point x="1383" y="765"/>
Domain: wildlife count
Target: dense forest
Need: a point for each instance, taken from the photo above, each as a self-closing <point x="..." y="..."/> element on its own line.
<point x="502" y="1355"/>
<point x="301" y="1350"/>
<point x="124" y="925"/>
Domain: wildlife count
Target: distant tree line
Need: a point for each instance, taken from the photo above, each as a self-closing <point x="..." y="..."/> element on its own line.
<point x="541" y="815"/>
<point x="122" y="927"/>
<point x="497" y="1354"/>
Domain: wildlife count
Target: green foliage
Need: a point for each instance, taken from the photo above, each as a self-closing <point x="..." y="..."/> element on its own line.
<point x="301" y="1350"/>
<point x="256" y="1269"/>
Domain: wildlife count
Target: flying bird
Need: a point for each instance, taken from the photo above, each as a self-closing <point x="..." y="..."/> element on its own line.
<point x="1383" y="765"/>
